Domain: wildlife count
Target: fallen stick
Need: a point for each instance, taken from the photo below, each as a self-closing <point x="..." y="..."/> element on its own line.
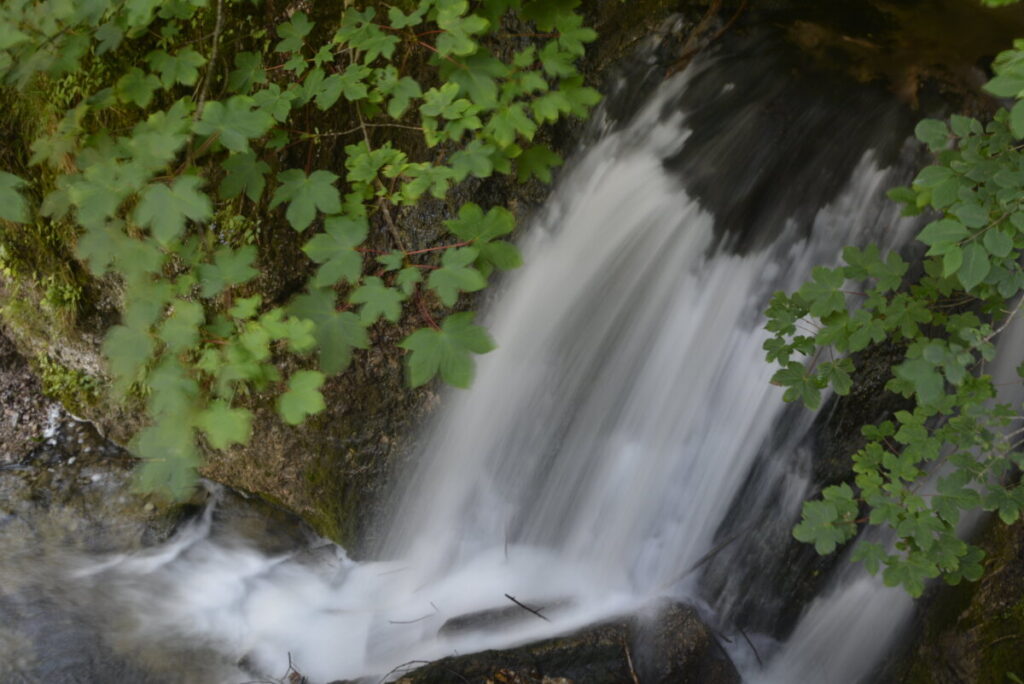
<point x="527" y="608"/>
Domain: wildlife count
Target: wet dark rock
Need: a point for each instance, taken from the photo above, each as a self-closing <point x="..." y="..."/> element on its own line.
<point x="973" y="632"/>
<point x="670" y="644"/>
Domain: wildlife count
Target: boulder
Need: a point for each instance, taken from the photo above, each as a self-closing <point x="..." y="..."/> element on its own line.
<point x="668" y="644"/>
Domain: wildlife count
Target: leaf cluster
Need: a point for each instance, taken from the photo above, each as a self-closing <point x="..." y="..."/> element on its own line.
<point x="209" y="139"/>
<point x="958" y="449"/>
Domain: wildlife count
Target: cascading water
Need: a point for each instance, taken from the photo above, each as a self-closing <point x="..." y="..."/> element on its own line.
<point x="598" y="455"/>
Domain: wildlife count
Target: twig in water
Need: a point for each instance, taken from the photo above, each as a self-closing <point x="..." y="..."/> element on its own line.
<point x="629" y="661"/>
<point x="396" y="668"/>
<point x="709" y="555"/>
<point x="527" y="608"/>
<point x="409" y="622"/>
<point x="752" y="648"/>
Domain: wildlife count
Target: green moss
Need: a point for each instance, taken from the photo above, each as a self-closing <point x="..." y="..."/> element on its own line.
<point x="72" y="388"/>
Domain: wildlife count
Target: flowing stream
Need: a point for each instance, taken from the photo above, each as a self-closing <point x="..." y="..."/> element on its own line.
<point x="594" y="463"/>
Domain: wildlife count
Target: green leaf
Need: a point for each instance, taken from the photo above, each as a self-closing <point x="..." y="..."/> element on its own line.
<point x="169" y="458"/>
<point x="537" y="161"/>
<point x="933" y="133"/>
<point x="456" y="275"/>
<point x="446" y="351"/>
<point x="336" y="333"/>
<point x="400" y="20"/>
<point x="299" y="332"/>
<point x="246" y="307"/>
<point x="799" y="384"/>
<point x="548" y="14"/>
<point x="1006" y="85"/>
<point x="408" y="278"/>
<point x="244" y="173"/>
<point x="508" y="123"/>
<point x="870" y="554"/>
<point x="819" y="526"/>
<point x="444" y="102"/>
<point x="275" y="102"/>
<point x="127" y="351"/>
<point x="305" y="194"/>
<point x="474" y="159"/>
<point x="823" y="292"/>
<point x="236" y="122"/>
<point x="573" y="35"/>
<point x="997" y="242"/>
<point x="303" y="397"/>
<point x="248" y="72"/>
<point x="224" y="425"/>
<point x="293" y="33"/>
<point x="335" y="249"/>
<point x="501" y="255"/>
<point x="476" y="76"/>
<point x="975" y="267"/>
<point x="472" y="225"/>
<point x="12" y="204"/>
<point x="182" y="67"/>
<point x="230" y="267"/>
<point x="166" y="209"/>
<point x="377" y="300"/>
<point x="402" y="93"/>
<point x="352" y="81"/>
<point x="1017" y="120"/>
<point x="941" y="235"/>
<point x="557" y="62"/>
<point x="181" y="329"/>
<point x="926" y="380"/>
<point x="137" y="87"/>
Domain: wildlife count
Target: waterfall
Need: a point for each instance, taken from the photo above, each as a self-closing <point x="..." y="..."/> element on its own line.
<point x="596" y="459"/>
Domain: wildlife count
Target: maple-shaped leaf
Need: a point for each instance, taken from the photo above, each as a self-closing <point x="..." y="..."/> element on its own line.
<point x="182" y="67"/>
<point x="245" y="173"/>
<point x="305" y="194"/>
<point x="447" y="351"/>
<point x="472" y="225"/>
<point x="537" y="161"/>
<point x="303" y="397"/>
<point x="137" y="87"/>
<point x="456" y="275"/>
<point x="224" y="425"/>
<point x="337" y="333"/>
<point x="165" y="209"/>
<point x="181" y="329"/>
<point x="248" y="72"/>
<point x="236" y="122"/>
<point x="127" y="351"/>
<point x="377" y="300"/>
<point x="335" y="249"/>
<point x="230" y="267"/>
<point x="293" y="33"/>
<point x="475" y="159"/>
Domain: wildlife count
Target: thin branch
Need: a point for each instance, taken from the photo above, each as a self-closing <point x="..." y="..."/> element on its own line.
<point x="1020" y="302"/>
<point x="527" y="608"/>
<point x="214" y="54"/>
<point x="629" y="661"/>
<point x="752" y="648"/>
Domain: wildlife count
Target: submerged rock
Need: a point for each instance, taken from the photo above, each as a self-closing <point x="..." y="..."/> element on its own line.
<point x="669" y="644"/>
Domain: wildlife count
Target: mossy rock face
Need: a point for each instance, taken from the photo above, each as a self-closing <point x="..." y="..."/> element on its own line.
<point x="668" y="645"/>
<point x="973" y="632"/>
